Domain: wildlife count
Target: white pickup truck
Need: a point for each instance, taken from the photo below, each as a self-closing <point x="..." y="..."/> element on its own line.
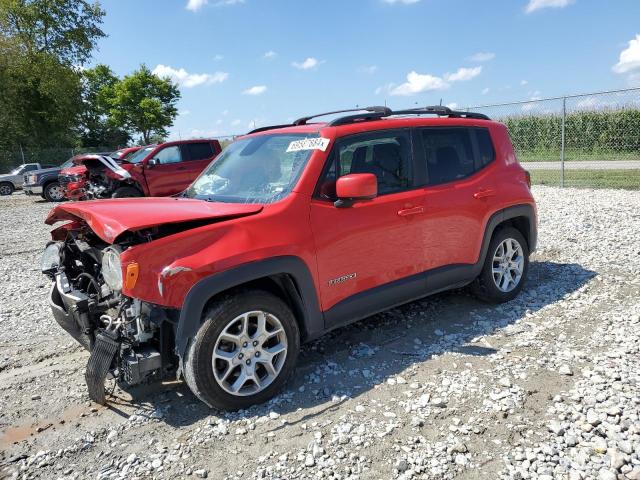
<point x="12" y="181"/>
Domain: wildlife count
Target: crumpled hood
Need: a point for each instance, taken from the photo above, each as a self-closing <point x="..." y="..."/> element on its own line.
<point x="111" y="218"/>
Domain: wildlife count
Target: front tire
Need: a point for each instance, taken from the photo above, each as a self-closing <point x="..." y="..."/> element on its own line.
<point x="505" y="267"/>
<point x="126" y="192"/>
<point x="6" y="188"/>
<point x="53" y="192"/>
<point x="244" y="352"/>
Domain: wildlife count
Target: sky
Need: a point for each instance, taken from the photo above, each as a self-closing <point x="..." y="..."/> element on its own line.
<point x="246" y="63"/>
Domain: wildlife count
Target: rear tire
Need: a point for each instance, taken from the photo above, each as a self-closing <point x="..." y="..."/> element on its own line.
<point x="6" y="188"/>
<point x="225" y="356"/>
<point x="53" y="192"/>
<point x="126" y="192"/>
<point x="505" y="267"/>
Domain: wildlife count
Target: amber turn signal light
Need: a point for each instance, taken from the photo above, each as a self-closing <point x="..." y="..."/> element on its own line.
<point x="132" y="275"/>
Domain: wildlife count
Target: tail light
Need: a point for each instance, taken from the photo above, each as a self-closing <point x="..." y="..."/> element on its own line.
<point x="528" y="178"/>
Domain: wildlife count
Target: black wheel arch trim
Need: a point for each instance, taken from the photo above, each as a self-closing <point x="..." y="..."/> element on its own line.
<point x="302" y="293"/>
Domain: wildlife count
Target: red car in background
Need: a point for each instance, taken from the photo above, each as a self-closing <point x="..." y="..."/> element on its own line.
<point x="153" y="171"/>
<point x="74" y="179"/>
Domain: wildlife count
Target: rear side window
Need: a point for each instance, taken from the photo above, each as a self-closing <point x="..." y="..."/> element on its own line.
<point x="386" y="154"/>
<point x="455" y="153"/>
<point x="198" y="151"/>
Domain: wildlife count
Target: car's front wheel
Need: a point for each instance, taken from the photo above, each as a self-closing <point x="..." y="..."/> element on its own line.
<point x="244" y="352"/>
<point x="6" y="188"/>
<point x="505" y="267"/>
<point x="53" y="192"/>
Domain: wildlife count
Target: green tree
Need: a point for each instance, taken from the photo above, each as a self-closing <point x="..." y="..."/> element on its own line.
<point x="144" y="103"/>
<point x="42" y="43"/>
<point x="96" y="128"/>
<point x="66" y="29"/>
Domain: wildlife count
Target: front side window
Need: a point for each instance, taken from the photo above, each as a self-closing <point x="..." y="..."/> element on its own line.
<point x="169" y="155"/>
<point x="261" y="169"/>
<point x="386" y="154"/>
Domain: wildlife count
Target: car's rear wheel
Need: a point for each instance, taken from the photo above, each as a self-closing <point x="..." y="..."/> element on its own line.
<point x="53" y="192"/>
<point x="6" y="188"/>
<point x="244" y="352"/>
<point x="505" y="267"/>
<point x="126" y="192"/>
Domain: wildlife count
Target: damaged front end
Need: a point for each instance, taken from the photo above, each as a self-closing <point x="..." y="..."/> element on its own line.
<point x="129" y="340"/>
<point x="104" y="176"/>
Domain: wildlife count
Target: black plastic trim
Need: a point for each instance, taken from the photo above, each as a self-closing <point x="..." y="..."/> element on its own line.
<point x="312" y="323"/>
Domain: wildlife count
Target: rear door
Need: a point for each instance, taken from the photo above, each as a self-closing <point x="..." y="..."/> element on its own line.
<point x="460" y="192"/>
<point x="371" y="243"/>
<point x="196" y="155"/>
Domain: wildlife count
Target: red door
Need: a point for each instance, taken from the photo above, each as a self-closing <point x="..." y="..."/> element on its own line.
<point x="372" y="242"/>
<point x="167" y="174"/>
<point x="460" y="195"/>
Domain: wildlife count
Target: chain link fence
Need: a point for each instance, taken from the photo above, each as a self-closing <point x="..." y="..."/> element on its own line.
<point x="590" y="140"/>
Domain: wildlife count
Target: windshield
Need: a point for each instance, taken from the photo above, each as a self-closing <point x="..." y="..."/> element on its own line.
<point x="67" y="164"/>
<point x="141" y="154"/>
<point x="261" y="169"/>
<point x="17" y="170"/>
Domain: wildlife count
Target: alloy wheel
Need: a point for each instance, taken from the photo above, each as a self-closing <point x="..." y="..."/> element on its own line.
<point x="56" y="193"/>
<point x="5" y="190"/>
<point x="249" y="353"/>
<point x="508" y="265"/>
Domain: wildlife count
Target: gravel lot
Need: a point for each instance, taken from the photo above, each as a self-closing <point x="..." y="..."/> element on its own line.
<point x="546" y="386"/>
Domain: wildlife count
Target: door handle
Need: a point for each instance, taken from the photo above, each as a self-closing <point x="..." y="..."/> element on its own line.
<point x="410" y="211"/>
<point x="181" y="168"/>
<point x="484" y="193"/>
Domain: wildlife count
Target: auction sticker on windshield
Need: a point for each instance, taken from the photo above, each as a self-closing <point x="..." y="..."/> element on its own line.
<point x="317" y="143"/>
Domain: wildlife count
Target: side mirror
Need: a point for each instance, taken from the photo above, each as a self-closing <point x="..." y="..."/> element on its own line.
<point x="152" y="162"/>
<point x="356" y="186"/>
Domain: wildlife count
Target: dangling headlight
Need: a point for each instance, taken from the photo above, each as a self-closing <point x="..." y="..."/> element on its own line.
<point x="50" y="260"/>
<point x="112" y="268"/>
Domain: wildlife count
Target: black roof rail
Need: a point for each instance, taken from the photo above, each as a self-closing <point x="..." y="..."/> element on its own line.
<point x="376" y="113"/>
<point x="441" y="111"/>
<point x="374" y="109"/>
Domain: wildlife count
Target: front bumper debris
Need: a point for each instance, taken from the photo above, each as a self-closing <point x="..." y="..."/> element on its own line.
<point x="104" y="351"/>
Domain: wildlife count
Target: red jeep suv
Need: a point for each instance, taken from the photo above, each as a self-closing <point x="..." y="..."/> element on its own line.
<point x="152" y="171"/>
<point x="293" y="231"/>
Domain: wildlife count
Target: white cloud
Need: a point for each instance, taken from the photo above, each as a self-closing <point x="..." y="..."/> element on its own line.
<point x="188" y="80"/>
<point x="452" y="105"/>
<point x="370" y="69"/>
<point x="418" y="83"/>
<point x="482" y="57"/>
<point x="256" y="90"/>
<point x="485" y="91"/>
<point x="308" y="64"/>
<point x="463" y="74"/>
<point x="225" y="112"/>
<point x="270" y="54"/>
<point x="629" y="57"/>
<point x="218" y="57"/>
<point x="534" y="5"/>
<point x="184" y="113"/>
<point x="404" y="2"/>
<point x="523" y="82"/>
<point x="236" y="122"/>
<point x="195" y="5"/>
